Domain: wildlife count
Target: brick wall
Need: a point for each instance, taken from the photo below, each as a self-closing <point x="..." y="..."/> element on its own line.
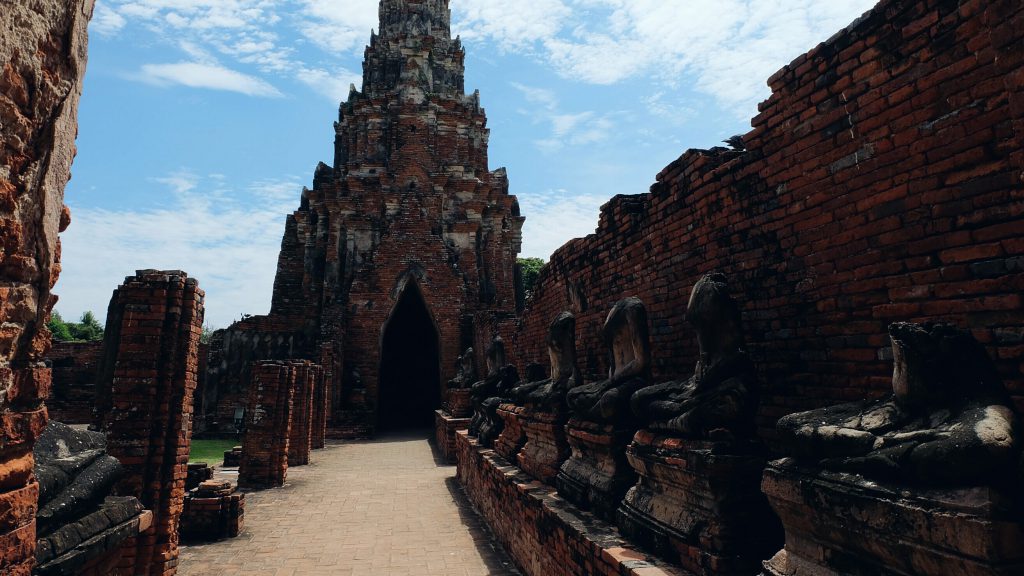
<point x="268" y="421"/>
<point x="150" y="366"/>
<point x="73" y="394"/>
<point x="883" y="180"/>
<point x="43" y="56"/>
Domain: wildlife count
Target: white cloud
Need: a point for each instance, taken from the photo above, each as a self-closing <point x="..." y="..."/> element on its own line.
<point x="106" y="21"/>
<point x="554" y="216"/>
<point x="339" y="26"/>
<point x="724" y="48"/>
<point x="231" y="246"/>
<point x="211" y="76"/>
<point x="332" y="85"/>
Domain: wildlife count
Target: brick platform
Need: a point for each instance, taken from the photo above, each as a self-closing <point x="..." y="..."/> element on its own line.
<point x="543" y="533"/>
<point x="843" y="524"/>
<point x="547" y="446"/>
<point x="445" y="428"/>
<point x="147" y="376"/>
<point x="597" y="475"/>
<point x="699" y="503"/>
<point x="512" y="437"/>
<point x="458" y="402"/>
<point x="213" y="511"/>
<point x="268" y="421"/>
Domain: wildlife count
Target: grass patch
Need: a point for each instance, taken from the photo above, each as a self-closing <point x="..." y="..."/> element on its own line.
<point x="210" y="451"/>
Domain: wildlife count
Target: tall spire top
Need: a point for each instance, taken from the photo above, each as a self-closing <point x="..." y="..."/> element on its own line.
<point x="414" y="55"/>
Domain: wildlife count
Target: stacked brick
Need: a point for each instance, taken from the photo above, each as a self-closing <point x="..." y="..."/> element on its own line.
<point x="300" y="443"/>
<point x="268" y="422"/>
<point x="881" y="182"/>
<point x="43" y="54"/>
<point x="213" y="511"/>
<point x="513" y="435"/>
<point x="321" y="410"/>
<point x="73" y="394"/>
<point x="148" y="374"/>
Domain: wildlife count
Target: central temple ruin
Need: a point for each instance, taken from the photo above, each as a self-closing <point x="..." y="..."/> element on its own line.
<point x="405" y="241"/>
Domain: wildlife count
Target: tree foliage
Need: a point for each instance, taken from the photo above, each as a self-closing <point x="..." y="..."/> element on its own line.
<point x="87" y="329"/>
<point x="530" y="270"/>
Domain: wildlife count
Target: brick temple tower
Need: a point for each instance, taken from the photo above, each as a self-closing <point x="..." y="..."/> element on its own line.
<point x="404" y="240"/>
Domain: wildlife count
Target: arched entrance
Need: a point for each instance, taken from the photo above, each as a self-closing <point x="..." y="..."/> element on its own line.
<point x="410" y="367"/>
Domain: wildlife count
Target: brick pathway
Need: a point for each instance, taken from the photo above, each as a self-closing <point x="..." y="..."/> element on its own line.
<point x="382" y="507"/>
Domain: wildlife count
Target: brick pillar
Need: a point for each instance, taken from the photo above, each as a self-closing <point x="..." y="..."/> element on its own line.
<point x="268" y="416"/>
<point x="42" y="56"/>
<point x="301" y="433"/>
<point x="151" y="357"/>
<point x="321" y="408"/>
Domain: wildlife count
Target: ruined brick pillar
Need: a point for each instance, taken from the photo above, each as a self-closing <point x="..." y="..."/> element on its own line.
<point x="321" y="408"/>
<point x="300" y="440"/>
<point x="268" y="419"/>
<point x="148" y="372"/>
<point x="43" y="55"/>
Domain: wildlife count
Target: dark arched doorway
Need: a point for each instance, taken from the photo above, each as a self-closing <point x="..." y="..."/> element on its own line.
<point x="410" y="367"/>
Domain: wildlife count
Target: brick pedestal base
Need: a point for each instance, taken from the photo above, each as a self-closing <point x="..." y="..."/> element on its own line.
<point x="458" y="403"/>
<point x="842" y="524"/>
<point x="597" y="475"/>
<point x="445" y="427"/>
<point x="512" y="437"/>
<point x="542" y="533"/>
<point x="212" y="514"/>
<point x="546" y="448"/>
<point x="700" y="504"/>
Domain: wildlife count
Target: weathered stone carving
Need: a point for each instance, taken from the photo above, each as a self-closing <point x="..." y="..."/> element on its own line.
<point x="78" y="520"/>
<point x="626" y="335"/>
<point x="721" y="396"/>
<point x="488" y="394"/>
<point x="465" y="370"/>
<point x="697" y="499"/>
<point x="597" y="475"/>
<point x="922" y="482"/>
<point x="948" y="422"/>
<point x="549" y="394"/>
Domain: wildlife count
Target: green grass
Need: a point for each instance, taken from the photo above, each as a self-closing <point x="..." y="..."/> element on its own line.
<point x="210" y="451"/>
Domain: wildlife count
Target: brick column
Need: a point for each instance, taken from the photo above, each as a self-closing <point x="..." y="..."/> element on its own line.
<point x="268" y="419"/>
<point x="321" y="408"/>
<point x="301" y="433"/>
<point x="149" y="371"/>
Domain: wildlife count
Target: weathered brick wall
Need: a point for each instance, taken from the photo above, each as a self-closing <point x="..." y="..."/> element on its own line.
<point x="268" y="422"/>
<point x="321" y="409"/>
<point x="883" y="180"/>
<point x="43" y="55"/>
<point x="541" y="531"/>
<point x="73" y="394"/>
<point x="150" y="368"/>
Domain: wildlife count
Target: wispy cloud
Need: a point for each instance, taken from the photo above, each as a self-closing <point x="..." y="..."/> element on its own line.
<point x="567" y="128"/>
<point x="555" y="216"/>
<point x="227" y="238"/>
<point x="211" y="76"/>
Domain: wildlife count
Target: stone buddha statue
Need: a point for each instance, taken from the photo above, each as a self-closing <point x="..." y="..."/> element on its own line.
<point x="626" y="336"/>
<point x="488" y="394"/>
<point x="465" y="371"/>
<point x="947" y="423"/>
<point x="549" y="394"/>
<point x="721" y="396"/>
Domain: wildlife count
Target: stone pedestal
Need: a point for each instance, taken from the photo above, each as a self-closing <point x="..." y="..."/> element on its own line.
<point x="445" y="428"/>
<point x="699" y="503"/>
<point x="512" y="437"/>
<point x="838" y="524"/>
<point x="597" y="475"/>
<point x="458" y="403"/>
<point x="547" y="446"/>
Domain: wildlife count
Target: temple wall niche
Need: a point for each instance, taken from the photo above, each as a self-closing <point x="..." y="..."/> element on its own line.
<point x="881" y="182"/>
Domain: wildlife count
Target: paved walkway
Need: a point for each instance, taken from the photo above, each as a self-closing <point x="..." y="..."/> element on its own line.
<point x="383" y="507"/>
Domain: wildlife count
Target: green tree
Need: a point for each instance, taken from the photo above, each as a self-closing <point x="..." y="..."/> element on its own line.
<point x="88" y="328"/>
<point x="59" y="328"/>
<point x="530" y="270"/>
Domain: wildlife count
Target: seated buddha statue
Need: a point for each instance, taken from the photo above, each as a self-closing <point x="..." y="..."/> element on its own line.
<point x="492" y="389"/>
<point x="548" y="394"/>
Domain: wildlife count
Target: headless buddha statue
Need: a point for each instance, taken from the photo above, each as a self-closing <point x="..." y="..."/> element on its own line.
<point x="549" y="394"/>
<point x="487" y="394"/>
<point x="947" y="423"/>
<point x="465" y="371"/>
<point x="720" y="399"/>
<point x="625" y="334"/>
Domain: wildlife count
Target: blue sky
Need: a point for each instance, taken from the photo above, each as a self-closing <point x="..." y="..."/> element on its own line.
<point x="201" y="120"/>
